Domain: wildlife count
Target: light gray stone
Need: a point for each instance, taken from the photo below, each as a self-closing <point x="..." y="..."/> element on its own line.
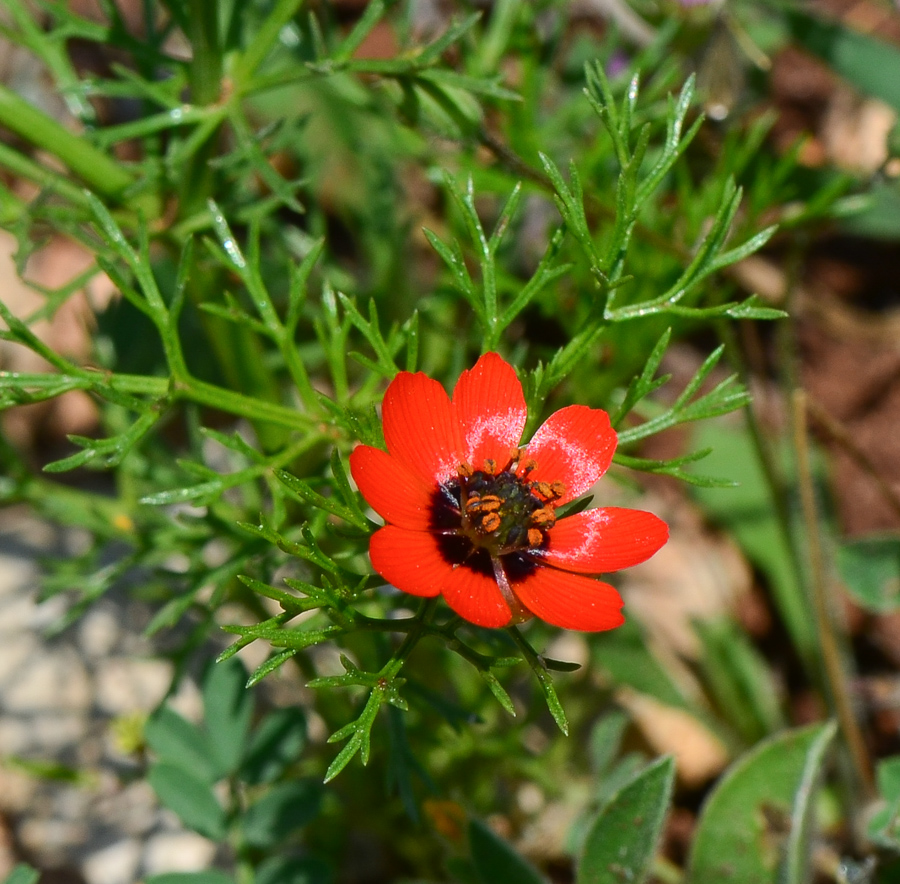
<point x="51" y="838"/>
<point x="98" y="633"/>
<point x="128" y="684"/>
<point x="177" y="852"/>
<point x="18" y="648"/>
<point x="116" y="864"/>
<point x="50" y="681"/>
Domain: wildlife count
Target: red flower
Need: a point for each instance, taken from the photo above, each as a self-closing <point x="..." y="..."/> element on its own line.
<point x="472" y="516"/>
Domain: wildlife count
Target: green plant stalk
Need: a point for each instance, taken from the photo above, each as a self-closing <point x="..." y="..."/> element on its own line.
<point x="237" y="350"/>
<point x="101" y="173"/>
<point x="189" y="389"/>
<point x="543" y="676"/>
<point x="206" y="89"/>
<point x="206" y="66"/>
<point x="794" y="608"/>
<point x="832" y="654"/>
<point x="262" y="42"/>
<point x="244" y="406"/>
<point x="24" y="167"/>
<point x="421" y="627"/>
<point x="832" y="676"/>
<point x="11" y="207"/>
<point x="53" y="53"/>
<point x="359" y="731"/>
<point x="238" y="353"/>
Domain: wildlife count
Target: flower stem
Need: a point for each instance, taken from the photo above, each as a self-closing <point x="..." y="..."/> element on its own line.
<point x="833" y="659"/>
<point x="412" y="638"/>
<point x="543" y="676"/>
<point x="101" y="173"/>
<point x="263" y="40"/>
<point x="794" y="606"/>
<point x="206" y="66"/>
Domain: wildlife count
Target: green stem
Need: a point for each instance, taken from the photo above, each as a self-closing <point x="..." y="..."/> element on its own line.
<point x="243" y="406"/>
<point x="794" y="607"/>
<point x="206" y="89"/>
<point x="101" y="173"/>
<point x="53" y="53"/>
<point x="237" y="349"/>
<point x="262" y="42"/>
<point x="23" y="167"/>
<point x="544" y="680"/>
<point x="833" y="656"/>
<point x="420" y="629"/>
<point x="11" y="207"/>
<point x="206" y="66"/>
<point x="190" y="389"/>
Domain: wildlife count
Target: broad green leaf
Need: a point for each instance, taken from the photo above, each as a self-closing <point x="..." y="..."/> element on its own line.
<point x="190" y="797"/>
<point x="749" y="513"/>
<point x="870" y="64"/>
<point x="625" y="655"/>
<point x="277" y="741"/>
<point x="228" y="706"/>
<point x="883" y="827"/>
<point x="497" y="861"/>
<point x="23" y="874"/>
<point x="293" y="870"/>
<point x="870" y="570"/>
<point x="177" y="741"/>
<point x="617" y="777"/>
<point x="795" y="868"/>
<point x="748" y="822"/>
<point x="606" y="740"/>
<point x="739" y="680"/>
<point x="282" y="810"/>
<point x="878" y="215"/>
<point x="888" y="777"/>
<point x="621" y="843"/>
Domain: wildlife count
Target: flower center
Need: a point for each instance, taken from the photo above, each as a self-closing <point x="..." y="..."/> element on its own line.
<point x="498" y="511"/>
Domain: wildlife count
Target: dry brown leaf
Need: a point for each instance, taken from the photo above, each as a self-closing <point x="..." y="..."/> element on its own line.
<point x="699" y="754"/>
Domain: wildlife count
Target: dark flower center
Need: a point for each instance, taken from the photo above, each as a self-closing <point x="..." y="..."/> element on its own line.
<point x="493" y="515"/>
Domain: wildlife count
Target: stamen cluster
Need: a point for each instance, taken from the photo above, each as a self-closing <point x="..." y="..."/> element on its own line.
<point x="501" y="510"/>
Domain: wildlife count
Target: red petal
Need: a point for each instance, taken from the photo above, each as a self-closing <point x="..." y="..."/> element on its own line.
<point x="605" y="539"/>
<point x="410" y="560"/>
<point x="570" y="600"/>
<point x="476" y="597"/>
<point x="574" y="446"/>
<point x="490" y="407"/>
<point x="419" y="427"/>
<point x="395" y="493"/>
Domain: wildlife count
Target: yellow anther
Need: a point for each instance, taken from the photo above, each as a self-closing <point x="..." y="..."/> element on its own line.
<point x="544" y="489"/>
<point x="491" y="522"/>
<point x="545" y="517"/>
<point x="535" y="537"/>
<point x="488" y="504"/>
<point x="465" y="470"/>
